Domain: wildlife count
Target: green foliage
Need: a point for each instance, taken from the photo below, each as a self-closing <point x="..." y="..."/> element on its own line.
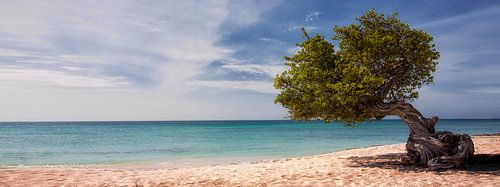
<point x="380" y="60"/>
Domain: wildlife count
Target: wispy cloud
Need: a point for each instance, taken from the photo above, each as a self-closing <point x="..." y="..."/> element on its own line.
<point x="296" y="28"/>
<point x="273" y="41"/>
<point x="13" y="75"/>
<point x="487" y="90"/>
<point x="459" y="19"/>
<point x="101" y="41"/>
<point x="257" y="86"/>
<point x="144" y="55"/>
<point x="313" y="16"/>
<point x="271" y="70"/>
<point x="180" y="59"/>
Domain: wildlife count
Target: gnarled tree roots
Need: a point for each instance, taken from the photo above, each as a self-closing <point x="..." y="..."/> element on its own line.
<point x="425" y="146"/>
<point x="440" y="150"/>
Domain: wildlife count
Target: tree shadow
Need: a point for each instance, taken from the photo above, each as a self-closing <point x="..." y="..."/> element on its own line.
<point x="479" y="164"/>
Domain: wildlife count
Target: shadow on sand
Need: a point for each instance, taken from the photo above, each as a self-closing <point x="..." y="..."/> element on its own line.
<point x="480" y="164"/>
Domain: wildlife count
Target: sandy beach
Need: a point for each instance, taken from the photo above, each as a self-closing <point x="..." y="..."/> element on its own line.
<point x="372" y="166"/>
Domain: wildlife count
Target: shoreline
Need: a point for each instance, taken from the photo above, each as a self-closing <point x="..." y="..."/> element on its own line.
<point x="359" y="167"/>
<point x="200" y="161"/>
<point x="196" y="162"/>
<point x="171" y="144"/>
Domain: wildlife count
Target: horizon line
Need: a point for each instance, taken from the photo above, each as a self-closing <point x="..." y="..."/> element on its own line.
<point x="202" y="120"/>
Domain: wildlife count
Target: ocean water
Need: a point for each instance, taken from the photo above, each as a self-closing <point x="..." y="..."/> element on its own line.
<point x="89" y="143"/>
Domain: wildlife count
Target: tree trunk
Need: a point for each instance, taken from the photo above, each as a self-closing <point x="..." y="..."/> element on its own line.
<point x="426" y="147"/>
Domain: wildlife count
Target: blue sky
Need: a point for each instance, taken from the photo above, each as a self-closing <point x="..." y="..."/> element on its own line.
<point x="181" y="60"/>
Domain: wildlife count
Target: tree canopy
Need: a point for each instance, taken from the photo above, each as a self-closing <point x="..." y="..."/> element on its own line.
<point x="378" y="60"/>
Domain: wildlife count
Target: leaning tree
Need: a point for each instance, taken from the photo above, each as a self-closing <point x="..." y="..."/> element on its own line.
<point x="375" y="72"/>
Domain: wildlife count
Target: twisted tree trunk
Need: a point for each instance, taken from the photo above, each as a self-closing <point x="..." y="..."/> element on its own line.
<point x="426" y="147"/>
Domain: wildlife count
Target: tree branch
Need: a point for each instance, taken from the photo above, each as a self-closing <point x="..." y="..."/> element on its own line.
<point x="419" y="125"/>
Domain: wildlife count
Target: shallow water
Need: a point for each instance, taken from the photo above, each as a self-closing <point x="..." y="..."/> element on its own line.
<point x="84" y="143"/>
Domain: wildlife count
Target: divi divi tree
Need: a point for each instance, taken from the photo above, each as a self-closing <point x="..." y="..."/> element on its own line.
<point x="376" y="70"/>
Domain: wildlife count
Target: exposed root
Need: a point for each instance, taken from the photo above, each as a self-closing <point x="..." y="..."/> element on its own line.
<point x="425" y="147"/>
<point x="443" y="150"/>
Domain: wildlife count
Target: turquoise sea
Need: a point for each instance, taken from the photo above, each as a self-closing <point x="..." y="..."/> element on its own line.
<point x="89" y="143"/>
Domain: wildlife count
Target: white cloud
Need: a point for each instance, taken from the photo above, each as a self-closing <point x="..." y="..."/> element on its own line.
<point x="272" y="40"/>
<point x="308" y="28"/>
<point x="269" y="69"/>
<point x="85" y="60"/>
<point x="485" y="90"/>
<point x="257" y="86"/>
<point x="94" y="37"/>
<point x="9" y="75"/>
<point x="11" y="53"/>
<point x="463" y="46"/>
<point x="467" y="73"/>
<point x="247" y="12"/>
<point x="461" y="19"/>
<point x="313" y="16"/>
